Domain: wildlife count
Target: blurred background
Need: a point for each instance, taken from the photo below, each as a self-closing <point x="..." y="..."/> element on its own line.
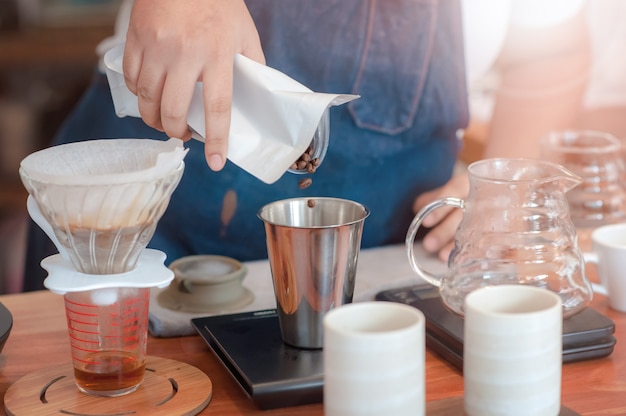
<point x="48" y="56"/>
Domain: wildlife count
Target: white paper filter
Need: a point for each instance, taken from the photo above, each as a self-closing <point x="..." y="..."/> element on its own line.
<point x="103" y="198"/>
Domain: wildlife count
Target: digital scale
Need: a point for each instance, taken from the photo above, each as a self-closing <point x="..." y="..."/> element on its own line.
<point x="274" y="374"/>
<point x="271" y="372"/>
<point x="586" y="335"/>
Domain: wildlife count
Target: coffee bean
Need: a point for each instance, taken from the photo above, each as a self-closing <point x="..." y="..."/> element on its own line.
<point x="305" y="183"/>
<point x="305" y="160"/>
<point x="310" y="203"/>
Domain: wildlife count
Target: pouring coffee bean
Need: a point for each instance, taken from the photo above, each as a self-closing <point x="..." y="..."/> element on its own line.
<point x="306" y="161"/>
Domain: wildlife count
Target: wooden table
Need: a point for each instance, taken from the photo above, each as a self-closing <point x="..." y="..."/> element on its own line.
<point x="39" y="340"/>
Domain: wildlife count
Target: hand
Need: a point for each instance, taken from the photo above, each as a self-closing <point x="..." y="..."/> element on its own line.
<point x="173" y="44"/>
<point x="445" y="220"/>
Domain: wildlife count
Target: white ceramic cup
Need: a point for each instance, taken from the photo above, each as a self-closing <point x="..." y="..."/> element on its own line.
<point x="609" y="254"/>
<point x="512" y="355"/>
<point x="374" y="360"/>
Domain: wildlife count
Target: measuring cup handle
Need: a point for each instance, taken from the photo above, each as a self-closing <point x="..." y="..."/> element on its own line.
<point x="433" y="279"/>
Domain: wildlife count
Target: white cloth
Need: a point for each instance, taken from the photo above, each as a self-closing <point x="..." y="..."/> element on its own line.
<point x="377" y="269"/>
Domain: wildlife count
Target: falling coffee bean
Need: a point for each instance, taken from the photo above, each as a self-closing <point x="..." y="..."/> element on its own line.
<point x="310" y="203"/>
<point x="305" y="183"/>
<point x="306" y="162"/>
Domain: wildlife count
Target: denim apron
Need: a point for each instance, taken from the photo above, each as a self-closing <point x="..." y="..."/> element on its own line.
<point x="403" y="57"/>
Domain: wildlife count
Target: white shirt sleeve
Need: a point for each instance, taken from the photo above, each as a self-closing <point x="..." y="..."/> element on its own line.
<point x="485" y="26"/>
<point x="543" y="13"/>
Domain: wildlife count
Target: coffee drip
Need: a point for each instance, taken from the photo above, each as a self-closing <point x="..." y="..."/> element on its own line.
<point x="99" y="201"/>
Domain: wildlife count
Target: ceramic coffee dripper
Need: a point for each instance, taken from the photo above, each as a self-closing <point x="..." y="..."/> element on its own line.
<point x="516" y="229"/>
<point x="99" y="201"/>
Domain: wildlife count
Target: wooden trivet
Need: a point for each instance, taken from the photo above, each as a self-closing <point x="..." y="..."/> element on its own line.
<point x="169" y="388"/>
<point x="454" y="407"/>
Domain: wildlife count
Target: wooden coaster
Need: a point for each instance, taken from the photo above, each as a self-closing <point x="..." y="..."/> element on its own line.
<point x="169" y="388"/>
<point x="454" y="407"/>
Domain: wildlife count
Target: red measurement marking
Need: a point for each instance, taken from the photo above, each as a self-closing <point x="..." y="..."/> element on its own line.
<point x="82" y="305"/>
<point x="86" y="334"/>
<point x="130" y="328"/>
<point x="70" y="311"/>
<point x="77" y="322"/>
<point x="75" y="358"/>
<point x="132" y="301"/>
<point x="87" y="341"/>
<point x="134" y="337"/>
<point x="130" y="321"/>
<point x="89" y="350"/>
<point x="83" y="331"/>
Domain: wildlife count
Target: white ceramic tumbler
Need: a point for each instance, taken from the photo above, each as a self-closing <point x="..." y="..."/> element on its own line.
<point x="609" y="255"/>
<point x="512" y="354"/>
<point x="374" y="360"/>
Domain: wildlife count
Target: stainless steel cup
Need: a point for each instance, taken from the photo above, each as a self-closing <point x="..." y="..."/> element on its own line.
<point x="313" y="246"/>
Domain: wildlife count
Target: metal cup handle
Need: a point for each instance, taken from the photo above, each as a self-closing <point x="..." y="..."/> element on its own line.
<point x="433" y="279"/>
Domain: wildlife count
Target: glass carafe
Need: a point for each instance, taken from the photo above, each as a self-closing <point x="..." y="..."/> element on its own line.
<point x="516" y="229"/>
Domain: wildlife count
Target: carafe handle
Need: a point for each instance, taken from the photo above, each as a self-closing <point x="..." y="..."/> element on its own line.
<point x="433" y="279"/>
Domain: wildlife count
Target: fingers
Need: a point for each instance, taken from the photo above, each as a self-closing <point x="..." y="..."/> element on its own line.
<point x="171" y="46"/>
<point x="436" y="216"/>
<point x="443" y="221"/>
<point x="217" y="111"/>
<point x="254" y="51"/>
<point x="445" y="251"/>
<point x="149" y="91"/>
<point x="441" y="238"/>
<point x="178" y="88"/>
<point x="133" y="58"/>
<point x="217" y="94"/>
<point x="163" y="93"/>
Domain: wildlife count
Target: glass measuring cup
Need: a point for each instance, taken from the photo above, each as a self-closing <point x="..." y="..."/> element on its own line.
<point x="108" y="338"/>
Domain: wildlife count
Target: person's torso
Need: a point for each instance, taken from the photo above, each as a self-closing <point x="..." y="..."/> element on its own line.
<point x="404" y="58"/>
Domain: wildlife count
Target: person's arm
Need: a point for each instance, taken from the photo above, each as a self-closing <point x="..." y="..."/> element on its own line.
<point x="543" y="74"/>
<point x="171" y="45"/>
